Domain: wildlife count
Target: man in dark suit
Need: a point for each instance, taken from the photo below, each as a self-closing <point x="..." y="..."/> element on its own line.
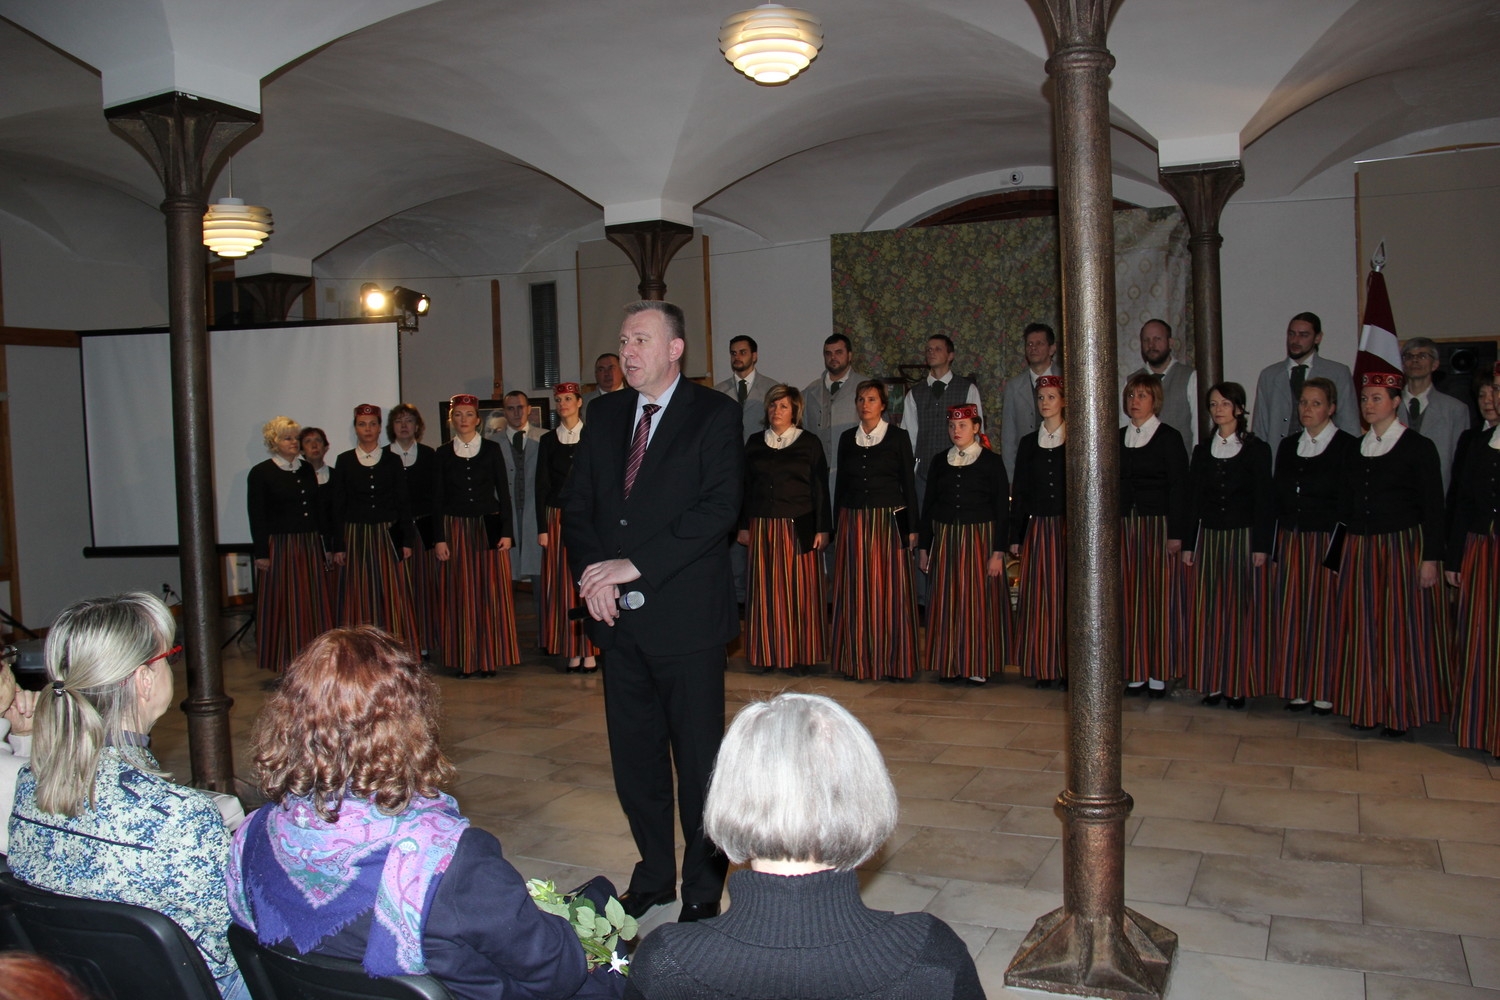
<point x="654" y="498"/>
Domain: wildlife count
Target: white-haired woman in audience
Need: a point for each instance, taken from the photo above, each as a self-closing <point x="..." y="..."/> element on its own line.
<point x="94" y="815"/>
<point x="287" y="528"/>
<point x="801" y="792"/>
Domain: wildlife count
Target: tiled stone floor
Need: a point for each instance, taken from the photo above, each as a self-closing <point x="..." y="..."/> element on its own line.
<point x="1292" y="856"/>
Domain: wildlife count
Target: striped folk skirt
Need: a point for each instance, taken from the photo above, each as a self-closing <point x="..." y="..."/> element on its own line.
<point x="479" y="611"/>
<point x="784" y="598"/>
<point x="1395" y="635"/>
<point x="293" y="605"/>
<point x="1155" y="602"/>
<point x="1305" y="641"/>
<point x="426" y="586"/>
<point x="561" y="636"/>
<point x="1476" y="699"/>
<point x="1040" y="641"/>
<point x="1230" y="612"/>
<point x="968" y="612"/>
<point x="374" y="588"/>
<point x="874" y="597"/>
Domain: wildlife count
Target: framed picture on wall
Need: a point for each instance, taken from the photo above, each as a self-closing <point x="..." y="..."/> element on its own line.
<point x="492" y="415"/>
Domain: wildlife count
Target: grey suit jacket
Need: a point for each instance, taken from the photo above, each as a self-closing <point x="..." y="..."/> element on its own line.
<point x="1442" y="422"/>
<point x="1018" y="414"/>
<point x="526" y="556"/>
<point x="1273" y="413"/>
<point x="754" y="411"/>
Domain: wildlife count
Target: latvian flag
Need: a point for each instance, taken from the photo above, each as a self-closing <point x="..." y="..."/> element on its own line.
<point x="1379" y="351"/>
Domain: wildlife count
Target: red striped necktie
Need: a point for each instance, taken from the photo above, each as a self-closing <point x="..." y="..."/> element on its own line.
<point x="638" y="446"/>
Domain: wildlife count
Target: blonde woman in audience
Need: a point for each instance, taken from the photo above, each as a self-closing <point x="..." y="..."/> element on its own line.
<point x="94" y="815"/>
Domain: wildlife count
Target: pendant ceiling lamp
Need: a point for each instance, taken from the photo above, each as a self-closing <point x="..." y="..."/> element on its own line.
<point x="771" y="44"/>
<point x="233" y="229"/>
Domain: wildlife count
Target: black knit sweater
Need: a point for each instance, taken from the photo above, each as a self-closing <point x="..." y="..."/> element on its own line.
<point x="807" y="937"/>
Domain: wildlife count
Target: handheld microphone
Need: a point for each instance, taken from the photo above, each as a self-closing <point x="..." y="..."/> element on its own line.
<point x="628" y="601"/>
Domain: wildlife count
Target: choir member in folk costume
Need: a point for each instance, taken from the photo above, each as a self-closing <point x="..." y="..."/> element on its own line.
<point x="1303" y="657"/>
<point x="875" y="501"/>
<point x="1474" y="568"/>
<point x="785" y="522"/>
<point x="474" y="534"/>
<point x="560" y="635"/>
<point x="962" y="547"/>
<point x="404" y="428"/>
<point x="287" y="526"/>
<point x="1155" y="517"/>
<point x="373" y="533"/>
<point x="1395" y="633"/>
<point x="1039" y="536"/>
<point x="1230" y="546"/>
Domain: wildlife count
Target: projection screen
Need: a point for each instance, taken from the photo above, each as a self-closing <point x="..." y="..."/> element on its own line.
<point x="314" y="373"/>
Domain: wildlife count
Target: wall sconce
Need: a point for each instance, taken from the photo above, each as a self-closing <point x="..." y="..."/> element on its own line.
<point x="771" y="43"/>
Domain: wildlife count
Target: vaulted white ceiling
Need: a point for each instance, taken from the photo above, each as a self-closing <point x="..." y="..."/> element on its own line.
<point x="466" y="137"/>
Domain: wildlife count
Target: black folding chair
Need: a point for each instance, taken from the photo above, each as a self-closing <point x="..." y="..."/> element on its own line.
<point x="115" y="950"/>
<point x="279" y="973"/>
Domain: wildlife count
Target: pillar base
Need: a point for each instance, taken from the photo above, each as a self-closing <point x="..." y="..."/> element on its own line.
<point x="1066" y="953"/>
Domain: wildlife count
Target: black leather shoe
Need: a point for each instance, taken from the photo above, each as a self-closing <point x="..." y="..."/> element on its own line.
<point x="1043" y="685"/>
<point x="1211" y="700"/>
<point x="1297" y="706"/>
<point x="1156" y="693"/>
<point x="638" y="903"/>
<point x="697" y="911"/>
<point x="1320" y="710"/>
<point x="1235" y="702"/>
<point x="1394" y="734"/>
<point x="1359" y="728"/>
<point x="1135" y="690"/>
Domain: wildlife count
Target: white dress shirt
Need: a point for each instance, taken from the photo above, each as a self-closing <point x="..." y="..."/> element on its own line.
<point x="1139" y="437"/>
<point x="1374" y="445"/>
<point x="1310" y="446"/>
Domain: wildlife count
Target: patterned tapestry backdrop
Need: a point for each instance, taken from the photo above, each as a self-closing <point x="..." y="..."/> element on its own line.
<point x="981" y="283"/>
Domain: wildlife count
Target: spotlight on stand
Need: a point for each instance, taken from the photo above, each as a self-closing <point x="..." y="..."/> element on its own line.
<point x="373" y="301"/>
<point x="408" y="301"/>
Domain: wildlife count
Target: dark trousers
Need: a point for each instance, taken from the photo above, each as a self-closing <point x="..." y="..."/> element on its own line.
<point x="663" y="710"/>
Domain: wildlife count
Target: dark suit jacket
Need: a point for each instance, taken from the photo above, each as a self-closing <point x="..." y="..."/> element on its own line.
<point x="677" y="525"/>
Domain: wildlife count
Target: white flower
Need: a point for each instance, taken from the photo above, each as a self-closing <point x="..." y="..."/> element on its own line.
<point x="619" y="963"/>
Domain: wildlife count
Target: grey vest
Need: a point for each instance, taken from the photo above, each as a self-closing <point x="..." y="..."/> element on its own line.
<point x="932" y="416"/>
<point x="1176" y="411"/>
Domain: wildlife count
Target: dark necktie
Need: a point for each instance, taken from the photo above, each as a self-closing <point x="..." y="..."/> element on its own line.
<point x="833" y="388"/>
<point x="1414" y="414"/>
<point x="1299" y="376"/>
<point x="638" y="446"/>
<point x="518" y="449"/>
<point x="1160" y="376"/>
<point x="937" y="389"/>
<point x="744" y="391"/>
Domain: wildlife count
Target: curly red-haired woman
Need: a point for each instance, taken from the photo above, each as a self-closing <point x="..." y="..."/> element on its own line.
<point x="358" y="854"/>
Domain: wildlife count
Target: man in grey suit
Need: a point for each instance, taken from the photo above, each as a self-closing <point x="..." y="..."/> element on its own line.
<point x="1275" y="410"/>
<point x="828" y="401"/>
<point x="520" y="449"/>
<point x="608" y="377"/>
<point x="1018" y="409"/>
<point x="747" y="386"/>
<point x="1428" y="410"/>
<point x="1179" y="383"/>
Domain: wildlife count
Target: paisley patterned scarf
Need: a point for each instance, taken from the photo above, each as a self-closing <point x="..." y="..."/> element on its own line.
<point x="293" y="875"/>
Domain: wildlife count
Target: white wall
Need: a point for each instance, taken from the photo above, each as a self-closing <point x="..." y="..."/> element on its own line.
<point x="783" y="298"/>
<point x="1279" y="259"/>
<point x="48" y="287"/>
<point x="51" y="492"/>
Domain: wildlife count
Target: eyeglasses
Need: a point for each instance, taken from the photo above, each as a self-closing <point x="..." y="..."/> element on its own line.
<point x="1418" y="356"/>
<point x="173" y="656"/>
